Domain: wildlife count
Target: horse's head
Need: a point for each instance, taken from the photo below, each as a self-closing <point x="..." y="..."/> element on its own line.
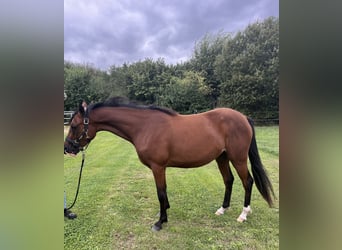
<point x="79" y="134"/>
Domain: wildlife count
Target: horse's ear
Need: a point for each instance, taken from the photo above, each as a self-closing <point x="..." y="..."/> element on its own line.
<point x="83" y="107"/>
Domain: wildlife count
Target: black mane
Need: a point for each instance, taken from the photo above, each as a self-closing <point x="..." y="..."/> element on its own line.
<point x="124" y="102"/>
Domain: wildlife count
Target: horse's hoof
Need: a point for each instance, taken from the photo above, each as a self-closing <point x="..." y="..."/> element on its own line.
<point x="243" y="216"/>
<point x="220" y="211"/>
<point x="155" y="228"/>
<point x="240" y="219"/>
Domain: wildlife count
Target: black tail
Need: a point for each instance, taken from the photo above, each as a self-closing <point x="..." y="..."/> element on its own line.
<point x="259" y="173"/>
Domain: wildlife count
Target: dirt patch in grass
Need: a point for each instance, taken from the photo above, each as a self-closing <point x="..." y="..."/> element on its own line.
<point x="121" y="241"/>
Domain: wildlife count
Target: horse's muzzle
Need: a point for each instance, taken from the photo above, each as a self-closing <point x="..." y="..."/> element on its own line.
<point x="73" y="151"/>
<point x="71" y="148"/>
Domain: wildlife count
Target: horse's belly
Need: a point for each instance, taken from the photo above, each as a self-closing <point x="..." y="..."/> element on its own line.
<point x="194" y="155"/>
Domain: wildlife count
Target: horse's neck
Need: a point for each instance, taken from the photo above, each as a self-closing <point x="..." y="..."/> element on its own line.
<point x="124" y="122"/>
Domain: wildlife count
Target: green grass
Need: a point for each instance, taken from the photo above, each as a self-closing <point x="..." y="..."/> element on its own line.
<point x="118" y="204"/>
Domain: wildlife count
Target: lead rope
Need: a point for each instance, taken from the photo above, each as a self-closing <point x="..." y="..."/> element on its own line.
<point x="79" y="182"/>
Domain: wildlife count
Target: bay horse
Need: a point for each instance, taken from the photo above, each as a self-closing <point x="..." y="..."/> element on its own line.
<point x="163" y="138"/>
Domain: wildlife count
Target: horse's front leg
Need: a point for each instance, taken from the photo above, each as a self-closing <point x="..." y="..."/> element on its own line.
<point x="159" y="177"/>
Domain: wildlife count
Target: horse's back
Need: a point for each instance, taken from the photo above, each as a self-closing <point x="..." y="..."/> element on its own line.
<point x="200" y="138"/>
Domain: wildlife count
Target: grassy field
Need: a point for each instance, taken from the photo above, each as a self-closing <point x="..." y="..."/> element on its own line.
<point x="118" y="204"/>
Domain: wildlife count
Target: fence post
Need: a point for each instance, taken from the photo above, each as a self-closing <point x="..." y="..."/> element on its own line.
<point x="67" y="117"/>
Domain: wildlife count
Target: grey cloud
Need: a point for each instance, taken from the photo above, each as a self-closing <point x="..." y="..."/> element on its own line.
<point x="105" y="33"/>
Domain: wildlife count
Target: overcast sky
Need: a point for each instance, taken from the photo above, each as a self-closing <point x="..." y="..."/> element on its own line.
<point x="110" y="32"/>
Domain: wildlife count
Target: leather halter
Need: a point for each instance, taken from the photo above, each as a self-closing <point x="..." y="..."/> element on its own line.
<point x="76" y="143"/>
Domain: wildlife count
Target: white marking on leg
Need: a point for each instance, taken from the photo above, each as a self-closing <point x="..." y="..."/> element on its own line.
<point x="221" y="211"/>
<point x="243" y="215"/>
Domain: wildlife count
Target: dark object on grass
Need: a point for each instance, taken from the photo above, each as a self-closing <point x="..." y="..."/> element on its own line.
<point x="70" y="215"/>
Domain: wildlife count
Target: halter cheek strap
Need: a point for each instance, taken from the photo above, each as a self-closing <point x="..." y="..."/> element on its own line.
<point x="85" y="126"/>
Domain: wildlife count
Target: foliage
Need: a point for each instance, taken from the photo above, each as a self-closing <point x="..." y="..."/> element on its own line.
<point x="249" y="70"/>
<point x="145" y="80"/>
<point x="203" y="60"/>
<point x="240" y="71"/>
<point x="83" y="82"/>
<point x="188" y="94"/>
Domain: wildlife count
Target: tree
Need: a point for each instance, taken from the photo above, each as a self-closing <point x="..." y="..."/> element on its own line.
<point x="76" y="84"/>
<point x="143" y="79"/>
<point x="249" y="70"/>
<point x="188" y="94"/>
<point x="203" y="61"/>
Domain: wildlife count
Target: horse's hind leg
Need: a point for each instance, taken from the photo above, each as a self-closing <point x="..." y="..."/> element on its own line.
<point x="228" y="179"/>
<point x="247" y="182"/>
